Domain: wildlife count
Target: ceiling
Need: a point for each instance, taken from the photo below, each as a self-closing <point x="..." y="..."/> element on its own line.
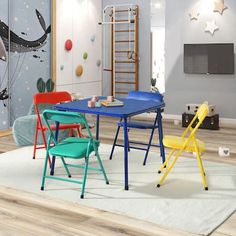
<point x="157" y="7"/>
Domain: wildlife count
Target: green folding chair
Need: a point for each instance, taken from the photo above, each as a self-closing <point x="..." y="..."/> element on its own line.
<point x="70" y="148"/>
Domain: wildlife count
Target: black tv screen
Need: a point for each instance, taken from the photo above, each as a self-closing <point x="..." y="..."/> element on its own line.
<point x="209" y="58"/>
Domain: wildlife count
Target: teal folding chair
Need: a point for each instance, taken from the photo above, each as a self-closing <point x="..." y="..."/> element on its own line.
<point x="70" y="148"/>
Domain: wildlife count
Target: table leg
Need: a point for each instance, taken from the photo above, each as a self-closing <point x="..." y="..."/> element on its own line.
<point x="150" y="139"/>
<point x="97" y="127"/>
<point x="54" y="158"/>
<point x="115" y="140"/>
<point x="160" y="131"/>
<point x="126" y="173"/>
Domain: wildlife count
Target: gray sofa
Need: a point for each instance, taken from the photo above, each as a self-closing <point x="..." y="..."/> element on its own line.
<point x="23" y="128"/>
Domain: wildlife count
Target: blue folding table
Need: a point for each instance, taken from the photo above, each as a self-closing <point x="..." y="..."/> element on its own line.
<point x="131" y="108"/>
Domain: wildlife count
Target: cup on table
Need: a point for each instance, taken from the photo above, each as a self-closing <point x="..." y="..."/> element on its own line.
<point x="110" y="98"/>
<point x="91" y="104"/>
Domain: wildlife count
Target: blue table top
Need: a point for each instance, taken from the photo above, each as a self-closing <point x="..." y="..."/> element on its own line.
<point x="131" y="107"/>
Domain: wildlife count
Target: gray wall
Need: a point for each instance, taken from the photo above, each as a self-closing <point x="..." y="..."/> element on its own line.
<point x="144" y="37"/>
<point x="182" y="88"/>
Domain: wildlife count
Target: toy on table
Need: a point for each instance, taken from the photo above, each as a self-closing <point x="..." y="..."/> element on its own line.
<point x="98" y="104"/>
<point x="110" y="98"/>
<point x="109" y="102"/>
<point x="91" y="104"/>
<point x="94" y="102"/>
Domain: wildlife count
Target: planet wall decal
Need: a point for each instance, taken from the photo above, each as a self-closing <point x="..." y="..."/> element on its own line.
<point x="68" y="45"/>
<point x="79" y="70"/>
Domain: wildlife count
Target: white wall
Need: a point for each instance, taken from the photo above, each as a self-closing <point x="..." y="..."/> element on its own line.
<point x="182" y="88"/>
<point x="78" y="20"/>
<point x="158" y="43"/>
<point x="158" y="13"/>
<point x="158" y="57"/>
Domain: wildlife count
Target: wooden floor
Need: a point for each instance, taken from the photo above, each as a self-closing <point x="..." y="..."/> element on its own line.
<point x="24" y="213"/>
<point x="30" y="214"/>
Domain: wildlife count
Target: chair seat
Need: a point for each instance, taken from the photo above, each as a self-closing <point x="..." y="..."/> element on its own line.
<point x="138" y="125"/>
<point x="177" y="143"/>
<point x="72" y="147"/>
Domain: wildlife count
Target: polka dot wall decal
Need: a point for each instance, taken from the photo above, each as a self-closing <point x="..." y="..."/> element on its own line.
<point x="98" y="63"/>
<point x="79" y="70"/>
<point x="68" y="45"/>
<point x="85" y="56"/>
<point x="92" y="38"/>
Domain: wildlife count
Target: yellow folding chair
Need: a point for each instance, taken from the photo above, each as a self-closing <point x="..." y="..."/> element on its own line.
<point x="187" y="142"/>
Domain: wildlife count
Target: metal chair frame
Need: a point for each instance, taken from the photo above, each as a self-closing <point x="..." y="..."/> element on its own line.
<point x="142" y="96"/>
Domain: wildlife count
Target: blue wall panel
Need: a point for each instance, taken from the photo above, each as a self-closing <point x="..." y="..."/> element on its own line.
<point x="29" y="57"/>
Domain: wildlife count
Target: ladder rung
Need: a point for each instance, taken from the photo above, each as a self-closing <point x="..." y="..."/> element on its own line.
<point x="124" y="41"/>
<point x="124" y="31"/>
<point x="107" y="70"/>
<point x="125" y="72"/>
<point x="122" y="51"/>
<point x="121" y="10"/>
<point x="125" y="21"/>
<point x="124" y="82"/>
<point x="124" y="62"/>
<point x="121" y="92"/>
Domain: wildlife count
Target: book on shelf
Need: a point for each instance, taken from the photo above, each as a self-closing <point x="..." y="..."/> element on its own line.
<point x="115" y="103"/>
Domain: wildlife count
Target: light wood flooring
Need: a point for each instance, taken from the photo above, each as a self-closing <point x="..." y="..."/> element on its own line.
<point x="24" y="213"/>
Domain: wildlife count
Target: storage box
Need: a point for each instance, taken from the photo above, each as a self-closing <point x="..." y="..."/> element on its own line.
<point x="210" y="122"/>
<point x="192" y="109"/>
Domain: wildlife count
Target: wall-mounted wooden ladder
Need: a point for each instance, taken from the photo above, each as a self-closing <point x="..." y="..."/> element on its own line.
<point x="124" y="41"/>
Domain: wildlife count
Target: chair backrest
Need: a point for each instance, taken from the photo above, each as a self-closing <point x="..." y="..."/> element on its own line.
<point x="64" y="117"/>
<point x="145" y="96"/>
<point x="197" y="120"/>
<point x="49" y="98"/>
<point x="52" y="98"/>
<point x="202" y="112"/>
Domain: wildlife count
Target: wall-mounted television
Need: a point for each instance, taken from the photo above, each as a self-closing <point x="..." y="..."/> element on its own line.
<point x="214" y="58"/>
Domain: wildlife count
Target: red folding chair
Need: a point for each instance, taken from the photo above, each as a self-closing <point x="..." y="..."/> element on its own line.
<point x="50" y="98"/>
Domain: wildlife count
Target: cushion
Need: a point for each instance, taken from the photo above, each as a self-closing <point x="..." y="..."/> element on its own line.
<point x="24" y="130"/>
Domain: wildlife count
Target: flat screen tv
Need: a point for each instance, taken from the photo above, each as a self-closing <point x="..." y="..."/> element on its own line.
<point x="217" y="58"/>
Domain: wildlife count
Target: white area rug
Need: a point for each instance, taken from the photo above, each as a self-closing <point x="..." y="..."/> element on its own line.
<point x="180" y="203"/>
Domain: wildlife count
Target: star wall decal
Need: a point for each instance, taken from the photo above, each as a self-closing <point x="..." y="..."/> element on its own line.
<point x="194" y="15"/>
<point x="220" y="6"/>
<point x="211" y="27"/>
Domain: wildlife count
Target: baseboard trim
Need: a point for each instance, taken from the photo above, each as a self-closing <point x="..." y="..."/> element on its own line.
<point x="5" y="132"/>
<point x="171" y="117"/>
<point x="224" y="122"/>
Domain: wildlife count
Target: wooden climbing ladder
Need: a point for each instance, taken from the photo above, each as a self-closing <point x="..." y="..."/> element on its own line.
<point x="124" y="50"/>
